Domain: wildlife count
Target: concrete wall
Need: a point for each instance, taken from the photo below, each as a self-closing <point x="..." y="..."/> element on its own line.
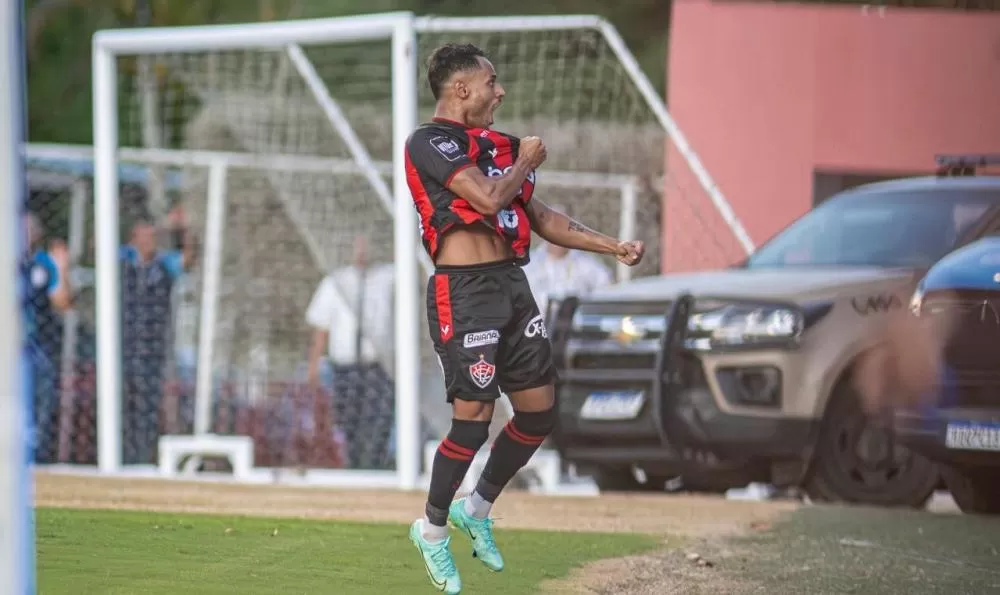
<point x="769" y="93"/>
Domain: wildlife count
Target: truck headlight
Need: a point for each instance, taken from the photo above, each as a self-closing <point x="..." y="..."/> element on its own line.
<point x="745" y="326"/>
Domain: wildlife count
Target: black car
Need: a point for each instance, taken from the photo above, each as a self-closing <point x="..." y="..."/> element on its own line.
<point x="957" y="421"/>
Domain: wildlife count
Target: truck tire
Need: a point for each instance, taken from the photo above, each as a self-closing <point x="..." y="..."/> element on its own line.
<point x="976" y="490"/>
<point x="857" y="461"/>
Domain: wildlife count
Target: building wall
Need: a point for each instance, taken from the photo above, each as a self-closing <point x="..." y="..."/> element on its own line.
<point x="769" y="94"/>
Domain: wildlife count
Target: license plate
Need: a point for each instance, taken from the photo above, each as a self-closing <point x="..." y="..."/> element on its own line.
<point x="612" y="405"/>
<point x="973" y="436"/>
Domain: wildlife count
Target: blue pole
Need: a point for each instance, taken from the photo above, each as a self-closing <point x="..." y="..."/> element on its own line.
<point x="17" y="548"/>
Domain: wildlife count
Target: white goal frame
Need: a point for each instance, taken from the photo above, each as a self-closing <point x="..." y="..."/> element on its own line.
<point x="398" y="28"/>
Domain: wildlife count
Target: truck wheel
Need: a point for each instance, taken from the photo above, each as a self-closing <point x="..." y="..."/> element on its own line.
<point x="976" y="490"/>
<point x="619" y="479"/>
<point x="858" y="461"/>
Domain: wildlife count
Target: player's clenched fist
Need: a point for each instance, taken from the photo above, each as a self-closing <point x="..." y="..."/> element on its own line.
<point x="533" y="151"/>
<point x="630" y="252"/>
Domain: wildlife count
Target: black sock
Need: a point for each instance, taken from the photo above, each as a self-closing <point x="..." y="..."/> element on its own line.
<point x="451" y="463"/>
<point x="512" y="450"/>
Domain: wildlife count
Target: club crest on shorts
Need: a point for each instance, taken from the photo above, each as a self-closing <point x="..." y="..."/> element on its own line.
<point x="482" y="372"/>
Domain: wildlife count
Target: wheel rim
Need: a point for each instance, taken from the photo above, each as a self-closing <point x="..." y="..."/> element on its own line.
<point x="869" y="457"/>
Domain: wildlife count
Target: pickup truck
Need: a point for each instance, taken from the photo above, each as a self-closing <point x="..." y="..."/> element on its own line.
<point x="751" y="373"/>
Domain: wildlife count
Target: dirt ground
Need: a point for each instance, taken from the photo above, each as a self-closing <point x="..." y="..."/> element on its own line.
<point x="678" y="519"/>
<point x="677" y="516"/>
<point x="710" y="546"/>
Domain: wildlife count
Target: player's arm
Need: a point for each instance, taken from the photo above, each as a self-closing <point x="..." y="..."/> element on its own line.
<point x="489" y="195"/>
<point x="442" y="159"/>
<point x="556" y="228"/>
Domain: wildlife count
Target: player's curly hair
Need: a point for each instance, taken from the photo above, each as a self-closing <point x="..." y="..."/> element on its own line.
<point x="449" y="59"/>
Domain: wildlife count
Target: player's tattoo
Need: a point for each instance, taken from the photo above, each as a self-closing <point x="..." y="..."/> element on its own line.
<point x="575" y="226"/>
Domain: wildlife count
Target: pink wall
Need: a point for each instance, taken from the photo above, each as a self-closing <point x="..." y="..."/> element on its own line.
<point x="767" y="93"/>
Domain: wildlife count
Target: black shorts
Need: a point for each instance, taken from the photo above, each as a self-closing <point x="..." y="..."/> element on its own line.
<point x="487" y="331"/>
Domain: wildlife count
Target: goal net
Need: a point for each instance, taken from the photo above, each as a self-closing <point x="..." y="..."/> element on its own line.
<point x="279" y="145"/>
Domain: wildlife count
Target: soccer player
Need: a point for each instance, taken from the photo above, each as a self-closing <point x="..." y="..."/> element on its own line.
<point x="472" y="187"/>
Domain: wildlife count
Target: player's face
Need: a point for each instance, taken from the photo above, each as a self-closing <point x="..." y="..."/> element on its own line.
<point x="144" y="239"/>
<point x="486" y="94"/>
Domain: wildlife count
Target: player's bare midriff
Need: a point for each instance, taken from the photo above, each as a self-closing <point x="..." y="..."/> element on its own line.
<point x="471" y="245"/>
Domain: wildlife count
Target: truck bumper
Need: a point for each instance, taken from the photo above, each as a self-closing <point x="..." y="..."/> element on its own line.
<point x="660" y="410"/>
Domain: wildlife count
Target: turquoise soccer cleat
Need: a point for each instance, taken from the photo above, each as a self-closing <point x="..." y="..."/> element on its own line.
<point x="480" y="531"/>
<point x="438" y="561"/>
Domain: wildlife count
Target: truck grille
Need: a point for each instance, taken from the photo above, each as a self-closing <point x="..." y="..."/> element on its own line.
<point x="613" y="361"/>
<point x="625" y="322"/>
<point x="615" y="336"/>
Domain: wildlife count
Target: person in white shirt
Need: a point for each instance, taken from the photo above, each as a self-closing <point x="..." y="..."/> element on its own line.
<point x="554" y="271"/>
<point x="352" y="355"/>
<point x="336" y="308"/>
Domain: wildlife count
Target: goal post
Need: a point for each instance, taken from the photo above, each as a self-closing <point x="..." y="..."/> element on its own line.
<point x="107" y="45"/>
<point x="288" y="139"/>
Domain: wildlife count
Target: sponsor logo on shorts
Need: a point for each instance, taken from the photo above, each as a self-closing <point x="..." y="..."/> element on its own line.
<point x="482" y="372"/>
<point x="490" y="337"/>
<point x="448" y="148"/>
<point x="536" y="326"/>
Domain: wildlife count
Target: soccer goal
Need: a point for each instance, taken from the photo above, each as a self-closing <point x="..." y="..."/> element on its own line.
<point x="284" y="143"/>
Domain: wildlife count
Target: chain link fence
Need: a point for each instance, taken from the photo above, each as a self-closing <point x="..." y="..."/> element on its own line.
<point x="294" y="422"/>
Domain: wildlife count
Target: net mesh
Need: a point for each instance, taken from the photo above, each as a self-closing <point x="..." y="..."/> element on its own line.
<point x="295" y="235"/>
<point x="571" y="89"/>
<point x="59" y="313"/>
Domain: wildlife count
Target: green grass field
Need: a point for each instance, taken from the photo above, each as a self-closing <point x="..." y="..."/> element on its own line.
<point x="118" y="552"/>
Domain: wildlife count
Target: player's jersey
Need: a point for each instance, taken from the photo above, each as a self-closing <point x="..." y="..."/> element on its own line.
<point x="435" y="153"/>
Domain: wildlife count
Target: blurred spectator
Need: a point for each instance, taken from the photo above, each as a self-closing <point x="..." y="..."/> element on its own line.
<point x="351" y="316"/>
<point x="48" y="296"/>
<point x="186" y="303"/>
<point x="554" y="271"/>
<point x="147" y="282"/>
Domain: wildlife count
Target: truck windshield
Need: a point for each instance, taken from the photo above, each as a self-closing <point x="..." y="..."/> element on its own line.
<point x="888" y="229"/>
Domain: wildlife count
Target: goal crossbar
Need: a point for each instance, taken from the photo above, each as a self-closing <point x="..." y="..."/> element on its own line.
<point x="197" y="38"/>
<point x="395" y="28"/>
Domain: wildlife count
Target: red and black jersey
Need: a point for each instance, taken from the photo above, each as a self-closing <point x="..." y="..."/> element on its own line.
<point x="435" y="153"/>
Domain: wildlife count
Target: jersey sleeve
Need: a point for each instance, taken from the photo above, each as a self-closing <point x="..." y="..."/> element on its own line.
<point x="52" y="279"/>
<point x="127" y="253"/>
<point x="528" y="188"/>
<point x="173" y="261"/>
<point x="437" y="155"/>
